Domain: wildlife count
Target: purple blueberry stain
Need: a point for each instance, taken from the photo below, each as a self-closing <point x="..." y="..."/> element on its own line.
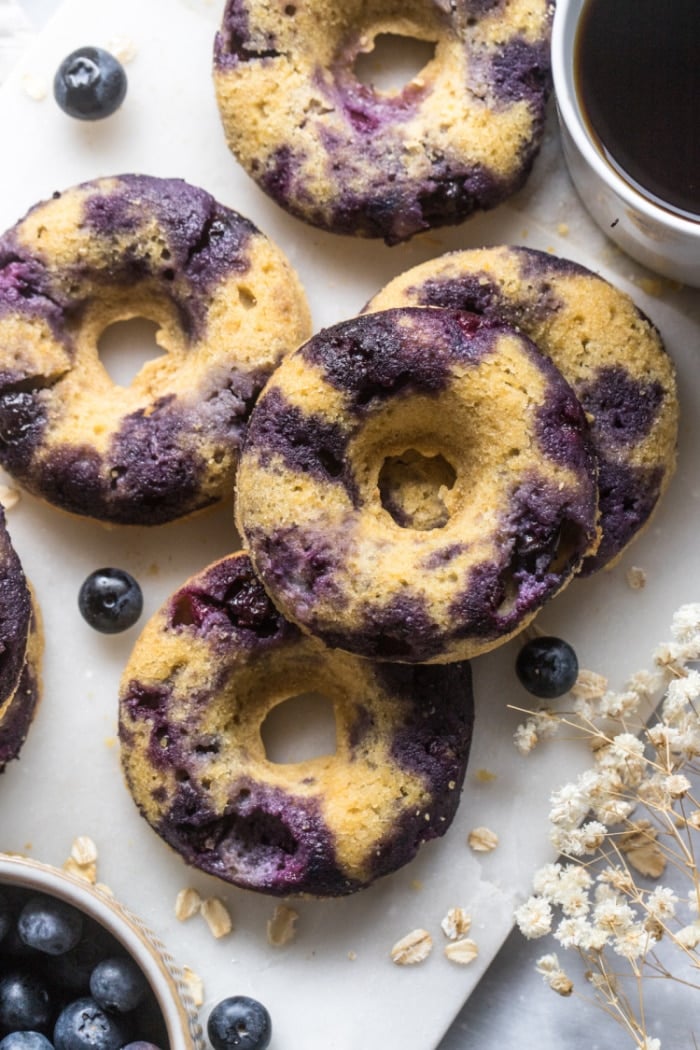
<point x="399" y="629"/>
<point x="237" y="42"/>
<point x="628" y="495"/>
<point x="624" y="408"/>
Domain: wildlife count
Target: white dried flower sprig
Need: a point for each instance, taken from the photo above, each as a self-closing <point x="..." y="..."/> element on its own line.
<point x="633" y="816"/>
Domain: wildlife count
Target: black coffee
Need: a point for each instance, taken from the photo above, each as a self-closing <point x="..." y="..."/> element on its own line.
<point x="637" y="74"/>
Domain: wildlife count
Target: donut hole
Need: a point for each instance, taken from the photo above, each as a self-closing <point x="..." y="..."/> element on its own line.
<point x="393" y="62"/>
<point x="299" y="728"/>
<point x="412" y="489"/>
<point x="124" y="347"/>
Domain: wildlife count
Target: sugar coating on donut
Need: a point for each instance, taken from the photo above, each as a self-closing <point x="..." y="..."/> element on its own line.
<point x="20" y="650"/>
<point x="203" y="676"/>
<point x="610" y="353"/>
<point x="227" y="304"/>
<point x="415" y="484"/>
<point x="351" y="158"/>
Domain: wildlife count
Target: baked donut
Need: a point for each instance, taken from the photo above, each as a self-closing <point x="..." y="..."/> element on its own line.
<point x="464" y="554"/>
<point x="356" y="160"/>
<point x="228" y="307"/>
<point x="20" y="651"/>
<point x="204" y="674"/>
<point x="610" y="353"/>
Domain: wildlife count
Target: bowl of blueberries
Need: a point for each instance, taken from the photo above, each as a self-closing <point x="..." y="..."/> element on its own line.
<point x="78" y="971"/>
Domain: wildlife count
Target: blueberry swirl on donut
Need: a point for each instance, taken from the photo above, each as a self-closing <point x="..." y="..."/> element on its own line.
<point x="415" y="484"/>
<point x="203" y="677"/>
<point x="354" y="159"/>
<point x="227" y="305"/>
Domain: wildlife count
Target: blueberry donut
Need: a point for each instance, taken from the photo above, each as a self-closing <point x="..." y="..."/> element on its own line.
<point x="228" y="307"/>
<point x="609" y="352"/>
<point x="20" y="651"/>
<point x="354" y="159"/>
<point x="204" y="674"/>
<point x="415" y="484"/>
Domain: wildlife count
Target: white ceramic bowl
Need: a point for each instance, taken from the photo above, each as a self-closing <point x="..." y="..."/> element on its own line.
<point x="161" y="971"/>
<point x="666" y="243"/>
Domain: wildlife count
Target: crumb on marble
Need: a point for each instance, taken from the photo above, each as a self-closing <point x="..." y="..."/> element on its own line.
<point x="34" y="86"/>
<point x="636" y="578"/>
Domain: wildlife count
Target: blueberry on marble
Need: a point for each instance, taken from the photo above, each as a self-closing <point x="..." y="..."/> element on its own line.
<point x="239" y="1021"/>
<point x="49" y="925"/>
<point x="83" y="1025"/>
<point x="547" y="667"/>
<point x="110" y="600"/>
<point x="25" y="1041"/>
<point x="90" y="84"/>
<point x="25" y="1003"/>
<point x="117" y="984"/>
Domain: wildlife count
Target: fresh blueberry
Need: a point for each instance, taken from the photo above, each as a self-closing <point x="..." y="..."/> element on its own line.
<point x="110" y="600"/>
<point x="25" y="1003"/>
<point x="49" y="925"/>
<point x="239" y="1022"/>
<point x="25" y="1041"/>
<point x="90" y="84"/>
<point x="83" y="1025"/>
<point x="117" y="984"/>
<point x="547" y="667"/>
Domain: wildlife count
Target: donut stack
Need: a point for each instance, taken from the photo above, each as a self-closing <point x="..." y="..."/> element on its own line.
<point x="415" y="483"/>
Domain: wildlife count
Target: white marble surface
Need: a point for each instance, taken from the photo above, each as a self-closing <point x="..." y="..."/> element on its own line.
<point x="510" y="1007"/>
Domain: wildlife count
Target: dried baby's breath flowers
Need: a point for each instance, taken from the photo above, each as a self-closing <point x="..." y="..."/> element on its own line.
<point x="631" y="818"/>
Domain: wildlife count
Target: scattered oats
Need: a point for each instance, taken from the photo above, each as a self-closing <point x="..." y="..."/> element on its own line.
<point x="123" y="49"/>
<point x="416" y="884"/>
<point x="636" y="578"/>
<point x="194" y="985"/>
<point x="281" y="928"/>
<point x="110" y="741"/>
<point x="187" y="903"/>
<point x="9" y="497"/>
<point x="482" y="840"/>
<point x="352" y="956"/>
<point x="83" y="851"/>
<point x="485" y="776"/>
<point x="413" y="948"/>
<point x="563" y="229"/>
<point x="216" y="916"/>
<point x="456" y="923"/>
<point x="462" y="951"/>
<point x="589" y="685"/>
<point x="34" y="86"/>
<point x="88" y="872"/>
<point x="653" y="286"/>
